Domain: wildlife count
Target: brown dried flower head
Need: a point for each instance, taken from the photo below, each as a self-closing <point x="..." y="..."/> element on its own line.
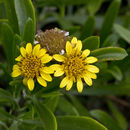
<point x="53" y="40"/>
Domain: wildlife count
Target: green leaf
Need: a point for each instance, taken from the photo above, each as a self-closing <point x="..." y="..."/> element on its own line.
<point x="80" y="108"/>
<point x="14" y="125"/>
<point x="66" y="107"/>
<point x="47" y="118"/>
<point x="105" y="119"/>
<point x="91" y="43"/>
<point x="109" y="19"/>
<point x="46" y="95"/>
<point x="29" y="31"/>
<point x="78" y="123"/>
<point x="88" y="28"/>
<point x="6" y="97"/>
<point x="5" y="115"/>
<point x="110" y="89"/>
<point x="11" y="14"/>
<point x="24" y="10"/>
<point x="7" y="41"/>
<point x="123" y="32"/>
<point x="52" y="102"/>
<point x="41" y="3"/>
<point x="4" y="125"/>
<point x="116" y="72"/>
<point x="118" y="115"/>
<point x="93" y="6"/>
<point x="109" y="53"/>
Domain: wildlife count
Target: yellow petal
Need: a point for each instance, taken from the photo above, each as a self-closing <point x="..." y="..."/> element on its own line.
<point x="30" y="83"/>
<point x="41" y="81"/>
<point x="29" y="48"/>
<point x="91" y="75"/>
<point x="64" y="82"/>
<point x="88" y="80"/>
<point x="15" y="67"/>
<point x="25" y="80"/>
<point x="59" y="58"/>
<point x="16" y="73"/>
<point x="91" y="59"/>
<point x="47" y="77"/>
<point x="36" y="50"/>
<point x="19" y="58"/>
<point x="23" y="51"/>
<point x="74" y="41"/>
<point x="68" y="47"/>
<point x="48" y="70"/>
<point x="56" y="67"/>
<point x="42" y="52"/>
<point x="46" y="58"/>
<point x="86" y="53"/>
<point x="79" y="85"/>
<point x="79" y="46"/>
<point x="92" y="68"/>
<point x="69" y="85"/>
<point x="58" y="73"/>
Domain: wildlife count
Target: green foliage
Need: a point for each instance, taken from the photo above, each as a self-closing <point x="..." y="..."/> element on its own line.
<point x="123" y="32"/>
<point x="78" y="123"/>
<point x="91" y="43"/>
<point x="109" y="53"/>
<point x="109" y="19"/>
<point x="118" y="115"/>
<point x="45" y="115"/>
<point x="104" y="118"/>
<point x="88" y="28"/>
<point x="29" y="31"/>
<point x="24" y="10"/>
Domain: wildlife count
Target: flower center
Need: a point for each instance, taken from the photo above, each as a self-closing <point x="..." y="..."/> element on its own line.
<point x="30" y="66"/>
<point x="74" y="65"/>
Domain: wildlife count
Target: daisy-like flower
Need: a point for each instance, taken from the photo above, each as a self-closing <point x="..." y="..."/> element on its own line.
<point x="75" y="65"/>
<point x="31" y="65"/>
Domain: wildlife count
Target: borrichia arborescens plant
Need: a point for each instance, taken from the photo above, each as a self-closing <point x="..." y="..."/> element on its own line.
<point x="75" y="65"/>
<point x="31" y="65"/>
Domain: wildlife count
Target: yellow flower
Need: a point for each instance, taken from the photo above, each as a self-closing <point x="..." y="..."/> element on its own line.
<point x="31" y="64"/>
<point x="75" y="65"/>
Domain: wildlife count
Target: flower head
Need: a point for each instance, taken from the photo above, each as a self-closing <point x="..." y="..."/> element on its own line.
<point x="75" y="65"/>
<point x="53" y="40"/>
<point x="31" y="65"/>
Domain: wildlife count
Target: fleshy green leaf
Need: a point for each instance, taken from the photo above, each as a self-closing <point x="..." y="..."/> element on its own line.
<point x="109" y="53"/>
<point x="80" y="108"/>
<point x="7" y="41"/>
<point x="116" y="72"/>
<point x="29" y="31"/>
<point x="66" y="107"/>
<point x="24" y="10"/>
<point x="88" y="28"/>
<point x="91" y="43"/>
<point x="47" y="118"/>
<point x="94" y="5"/>
<point x="109" y="19"/>
<point x="103" y="90"/>
<point x="105" y="119"/>
<point x="78" y="123"/>
<point x="42" y="3"/>
<point x="11" y="14"/>
<point x="123" y="32"/>
<point x="118" y="115"/>
<point x="51" y="102"/>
